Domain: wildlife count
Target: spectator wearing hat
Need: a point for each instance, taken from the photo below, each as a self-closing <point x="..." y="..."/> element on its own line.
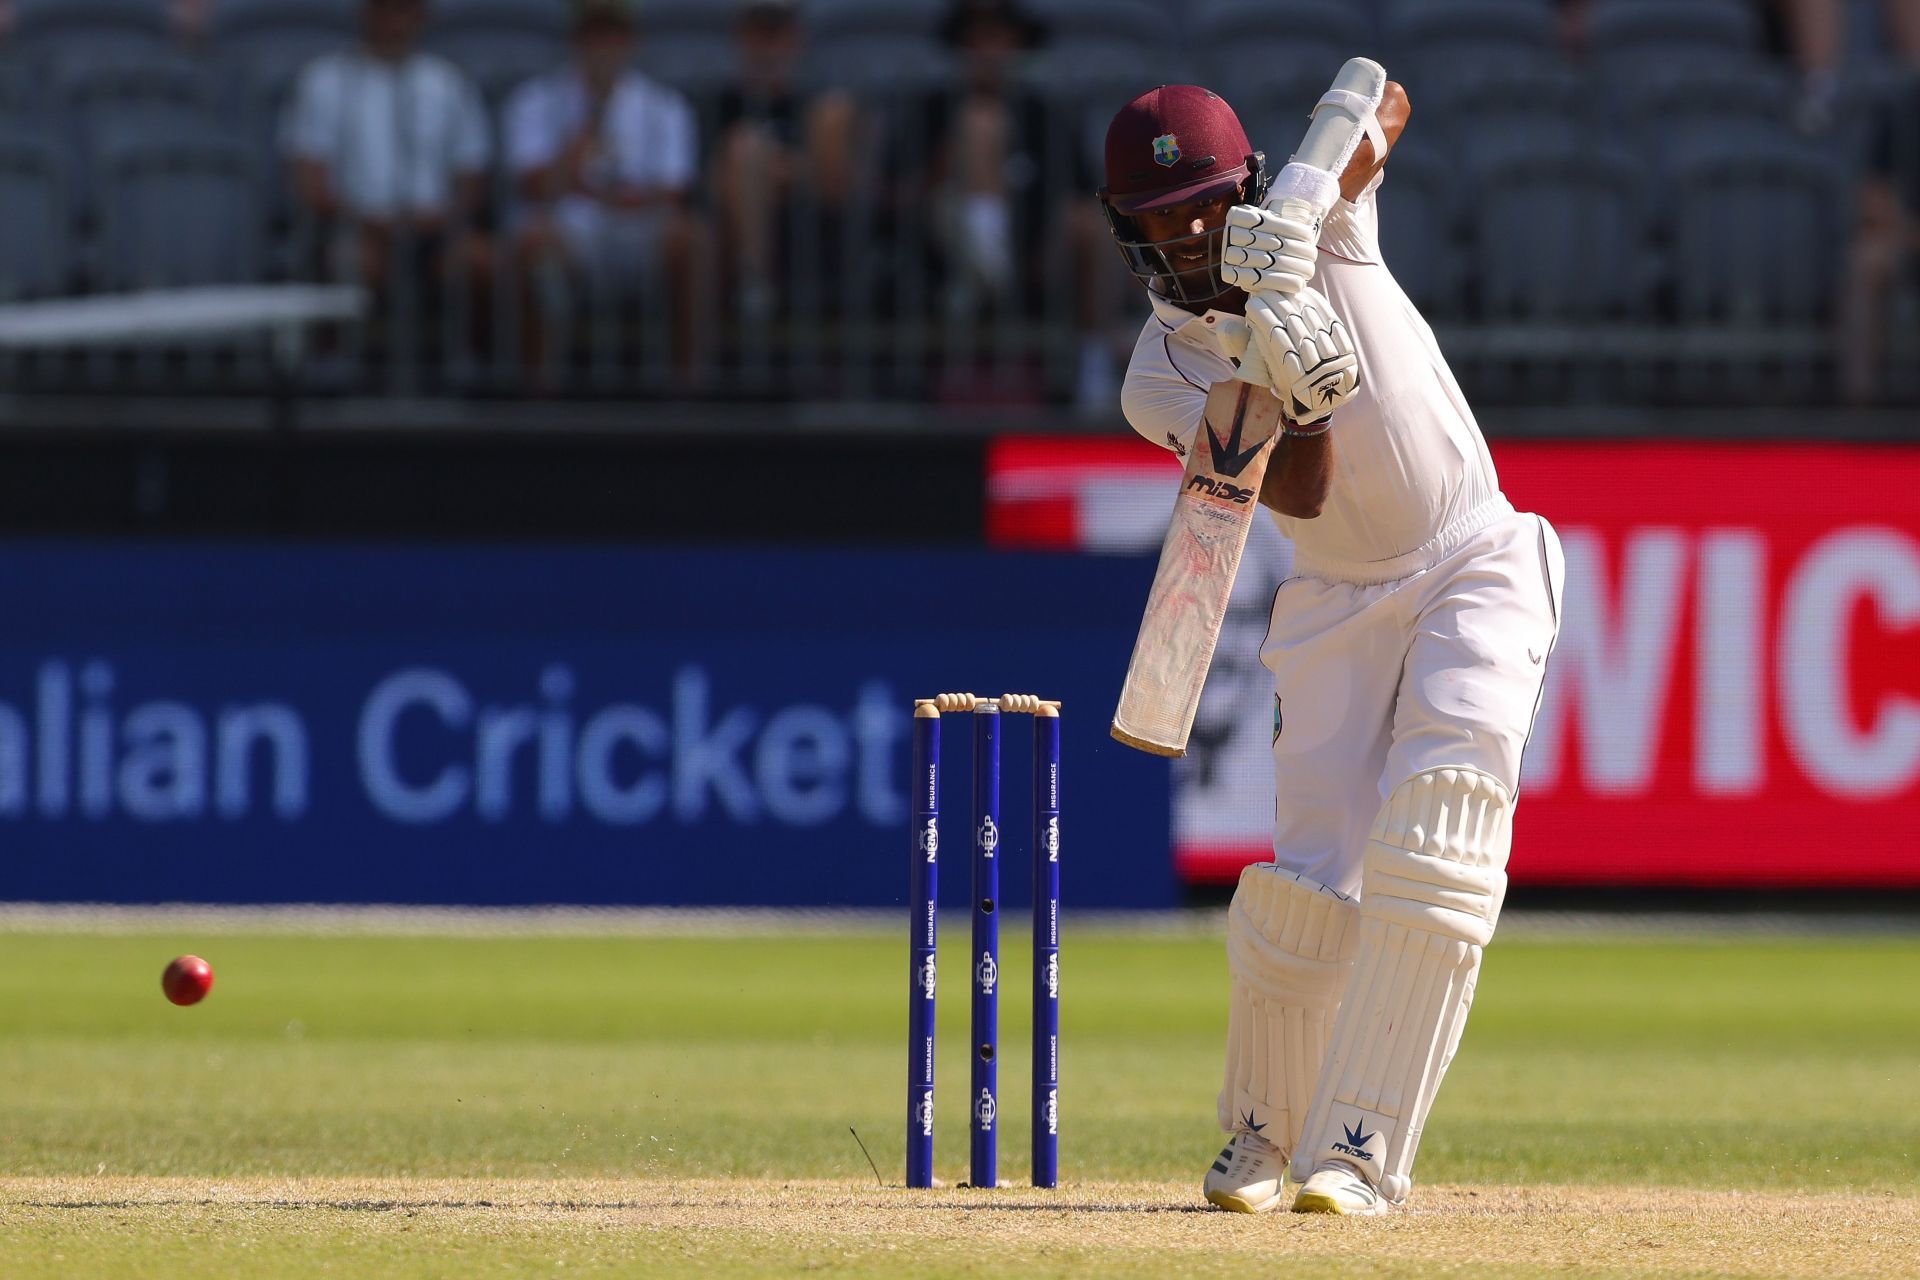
<point x="389" y="150"/>
<point x="996" y="157"/>
<point x="603" y="161"/>
<point x="775" y="140"/>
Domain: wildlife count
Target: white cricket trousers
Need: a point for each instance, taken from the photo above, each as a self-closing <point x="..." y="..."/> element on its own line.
<point x="1377" y="682"/>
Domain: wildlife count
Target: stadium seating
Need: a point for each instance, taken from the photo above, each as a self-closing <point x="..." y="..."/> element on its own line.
<point x="1636" y="42"/>
<point x="695" y="61"/>
<point x="1511" y="178"/>
<point x="36" y="256"/>
<point x="1673" y="117"/>
<point x="876" y="46"/>
<point x="878" y="63"/>
<point x="1418" y="216"/>
<point x="1754" y="231"/>
<point x="1438" y="48"/>
<point x="60" y="31"/>
<point x="1559" y="237"/>
<point x="268" y="39"/>
<point x="826" y="18"/>
<point x="178" y="209"/>
<point x="1248" y="44"/>
<point x="20" y="89"/>
<point x="1514" y="108"/>
<point x="128" y="94"/>
<point x="499" y="43"/>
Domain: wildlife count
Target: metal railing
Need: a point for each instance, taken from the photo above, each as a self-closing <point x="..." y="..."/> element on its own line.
<point x="871" y="301"/>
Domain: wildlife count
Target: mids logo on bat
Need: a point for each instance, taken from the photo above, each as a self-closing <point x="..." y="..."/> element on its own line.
<point x="1221" y="489"/>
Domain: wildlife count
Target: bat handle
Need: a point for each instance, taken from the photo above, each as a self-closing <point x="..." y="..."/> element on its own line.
<point x="1236" y="339"/>
<point x="1253" y="368"/>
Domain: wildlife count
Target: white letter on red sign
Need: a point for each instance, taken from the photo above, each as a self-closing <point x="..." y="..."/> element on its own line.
<point x="1729" y="725"/>
<point x="1617" y="670"/>
<point x="1815" y="683"/>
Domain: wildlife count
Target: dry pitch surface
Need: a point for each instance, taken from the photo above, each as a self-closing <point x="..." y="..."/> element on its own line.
<point x="294" y="1228"/>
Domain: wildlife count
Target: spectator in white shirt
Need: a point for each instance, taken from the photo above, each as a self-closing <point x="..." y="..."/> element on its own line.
<point x="605" y="161"/>
<point x="389" y="147"/>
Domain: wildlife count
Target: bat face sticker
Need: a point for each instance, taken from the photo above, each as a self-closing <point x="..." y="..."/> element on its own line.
<point x="1229" y="459"/>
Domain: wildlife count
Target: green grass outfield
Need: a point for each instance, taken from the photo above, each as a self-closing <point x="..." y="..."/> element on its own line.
<point x="1775" y="1065"/>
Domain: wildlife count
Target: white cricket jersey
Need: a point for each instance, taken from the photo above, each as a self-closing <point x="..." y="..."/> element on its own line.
<point x="1412" y="477"/>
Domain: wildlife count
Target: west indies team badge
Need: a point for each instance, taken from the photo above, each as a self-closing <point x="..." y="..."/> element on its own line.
<point x="1166" y="149"/>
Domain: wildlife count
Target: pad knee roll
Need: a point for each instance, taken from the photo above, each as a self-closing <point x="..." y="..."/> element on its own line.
<point x="1290" y="945"/>
<point x="1437" y="857"/>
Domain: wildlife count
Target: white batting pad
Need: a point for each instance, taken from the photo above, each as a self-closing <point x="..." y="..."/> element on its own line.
<point x="1430" y="891"/>
<point x="1289" y="948"/>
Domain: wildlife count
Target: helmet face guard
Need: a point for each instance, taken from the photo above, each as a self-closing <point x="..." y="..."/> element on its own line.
<point x="1149" y="260"/>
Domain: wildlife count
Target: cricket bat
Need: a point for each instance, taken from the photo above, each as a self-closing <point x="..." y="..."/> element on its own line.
<point x="1220" y="488"/>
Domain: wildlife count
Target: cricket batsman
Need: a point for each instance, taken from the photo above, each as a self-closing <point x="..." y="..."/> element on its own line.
<point x="1408" y="650"/>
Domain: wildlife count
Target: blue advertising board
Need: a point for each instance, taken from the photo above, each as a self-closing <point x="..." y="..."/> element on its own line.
<point x="525" y="725"/>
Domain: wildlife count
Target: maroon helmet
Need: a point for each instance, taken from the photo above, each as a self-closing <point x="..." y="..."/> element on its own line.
<point x="1171" y="145"/>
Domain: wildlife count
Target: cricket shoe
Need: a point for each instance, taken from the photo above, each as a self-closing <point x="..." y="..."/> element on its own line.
<point x="1334" y="1188"/>
<point x="1248" y="1176"/>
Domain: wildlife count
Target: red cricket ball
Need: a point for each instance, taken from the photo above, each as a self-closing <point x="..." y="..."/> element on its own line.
<point x="187" y="980"/>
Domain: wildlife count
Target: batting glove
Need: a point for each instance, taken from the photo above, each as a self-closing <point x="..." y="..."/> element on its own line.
<point x="1309" y="358"/>
<point x="1267" y="251"/>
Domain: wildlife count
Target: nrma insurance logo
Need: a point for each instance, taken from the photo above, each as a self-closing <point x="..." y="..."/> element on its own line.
<point x="925" y="1114"/>
<point x="928" y="979"/>
<point x="1051" y="839"/>
<point x="1052" y="975"/>
<point x="987" y="972"/>
<point x="1051" y="1112"/>
<point x="930" y="840"/>
<point x="984" y="1111"/>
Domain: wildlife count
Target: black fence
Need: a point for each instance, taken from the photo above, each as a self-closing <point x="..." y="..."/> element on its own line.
<point x="1641" y="220"/>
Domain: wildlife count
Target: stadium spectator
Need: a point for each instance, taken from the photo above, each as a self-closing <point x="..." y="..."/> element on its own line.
<point x="773" y="138"/>
<point x="997" y="156"/>
<point x="1572" y="32"/>
<point x="1816" y="31"/>
<point x="1886" y="244"/>
<point x="604" y="160"/>
<point x="190" y="19"/>
<point x="389" y="147"/>
<point x="986" y="141"/>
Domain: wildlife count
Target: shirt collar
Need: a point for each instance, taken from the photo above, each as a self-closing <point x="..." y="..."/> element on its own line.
<point x="1182" y="323"/>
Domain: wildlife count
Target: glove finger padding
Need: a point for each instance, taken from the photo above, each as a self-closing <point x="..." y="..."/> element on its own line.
<point x="1263" y="251"/>
<point x="1257" y="238"/>
<point x="1307" y="351"/>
